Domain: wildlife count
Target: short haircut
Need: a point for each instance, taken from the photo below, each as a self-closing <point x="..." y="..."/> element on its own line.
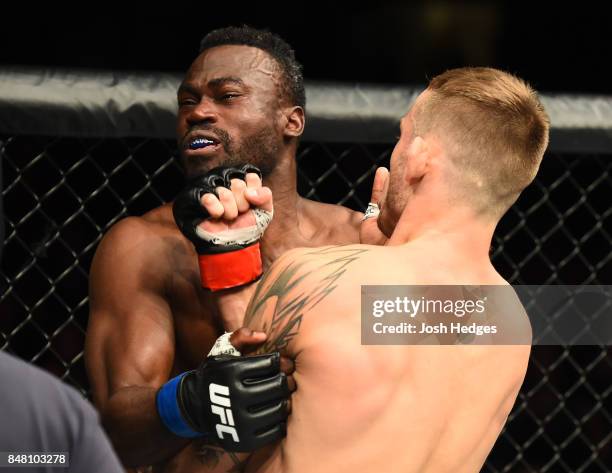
<point x="274" y="45"/>
<point x="495" y="129"/>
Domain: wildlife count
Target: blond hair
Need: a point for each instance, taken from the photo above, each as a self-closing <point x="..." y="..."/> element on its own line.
<point x="495" y="130"/>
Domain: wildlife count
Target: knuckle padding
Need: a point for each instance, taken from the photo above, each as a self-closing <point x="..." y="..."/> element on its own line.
<point x="271" y="413"/>
<point x="260" y="366"/>
<point x="266" y="417"/>
<point x="187" y="209"/>
<point x="229" y="174"/>
<point x="273" y="434"/>
<point x="270" y="389"/>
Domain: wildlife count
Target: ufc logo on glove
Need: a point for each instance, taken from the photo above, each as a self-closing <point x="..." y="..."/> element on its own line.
<point x="220" y="405"/>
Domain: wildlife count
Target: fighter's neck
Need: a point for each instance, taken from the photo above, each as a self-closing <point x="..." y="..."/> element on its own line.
<point x="283" y="182"/>
<point x="444" y="228"/>
<point x="289" y="227"/>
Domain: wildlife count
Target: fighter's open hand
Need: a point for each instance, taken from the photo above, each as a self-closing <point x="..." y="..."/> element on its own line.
<point x="369" y="233"/>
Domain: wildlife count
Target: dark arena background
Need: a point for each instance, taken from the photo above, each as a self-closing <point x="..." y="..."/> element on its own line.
<point x="87" y="107"/>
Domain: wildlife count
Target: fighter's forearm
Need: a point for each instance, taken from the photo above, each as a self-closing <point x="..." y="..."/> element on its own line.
<point x="232" y="305"/>
<point x="131" y="420"/>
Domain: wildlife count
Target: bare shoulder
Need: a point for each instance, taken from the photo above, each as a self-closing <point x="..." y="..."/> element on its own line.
<point x="314" y="271"/>
<point x="137" y="249"/>
<point x="508" y="314"/>
<point x="132" y="233"/>
<point x="298" y="286"/>
<point x="320" y="256"/>
<point x="137" y="261"/>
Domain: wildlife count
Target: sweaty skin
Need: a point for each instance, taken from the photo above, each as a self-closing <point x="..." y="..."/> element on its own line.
<point x="397" y="409"/>
<point x="149" y="318"/>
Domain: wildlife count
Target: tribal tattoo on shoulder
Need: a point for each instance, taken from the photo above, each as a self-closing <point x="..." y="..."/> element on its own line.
<point x="294" y="288"/>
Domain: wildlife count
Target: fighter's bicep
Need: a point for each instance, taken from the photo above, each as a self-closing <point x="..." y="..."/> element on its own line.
<point x="130" y="337"/>
<point x="137" y="345"/>
<point x="130" y="347"/>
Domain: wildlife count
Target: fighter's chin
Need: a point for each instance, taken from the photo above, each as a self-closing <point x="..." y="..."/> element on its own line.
<point x="196" y="165"/>
<point x="384" y="226"/>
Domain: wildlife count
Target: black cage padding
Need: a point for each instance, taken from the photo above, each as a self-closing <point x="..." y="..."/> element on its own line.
<point x="102" y="104"/>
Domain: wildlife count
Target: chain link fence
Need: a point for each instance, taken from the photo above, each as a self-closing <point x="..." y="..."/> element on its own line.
<point x="62" y="193"/>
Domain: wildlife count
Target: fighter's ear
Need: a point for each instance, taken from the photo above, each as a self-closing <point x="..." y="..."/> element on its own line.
<point x="419" y="155"/>
<point x="294" y="121"/>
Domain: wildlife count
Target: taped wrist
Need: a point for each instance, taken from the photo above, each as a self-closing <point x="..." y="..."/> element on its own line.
<point x="230" y="269"/>
<point x="171" y="412"/>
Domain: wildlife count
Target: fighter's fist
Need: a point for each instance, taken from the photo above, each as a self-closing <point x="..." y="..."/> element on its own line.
<point x="224" y="213"/>
<point x="239" y="402"/>
<point x="242" y="205"/>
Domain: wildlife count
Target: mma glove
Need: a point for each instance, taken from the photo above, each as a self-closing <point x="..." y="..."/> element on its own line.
<point x="239" y="403"/>
<point x="227" y="259"/>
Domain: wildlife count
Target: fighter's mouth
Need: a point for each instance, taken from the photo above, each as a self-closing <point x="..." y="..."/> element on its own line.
<point x="201" y="142"/>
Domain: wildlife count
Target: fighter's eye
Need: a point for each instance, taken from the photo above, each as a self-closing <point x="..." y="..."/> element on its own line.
<point x="229" y="96"/>
<point x="186" y="102"/>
